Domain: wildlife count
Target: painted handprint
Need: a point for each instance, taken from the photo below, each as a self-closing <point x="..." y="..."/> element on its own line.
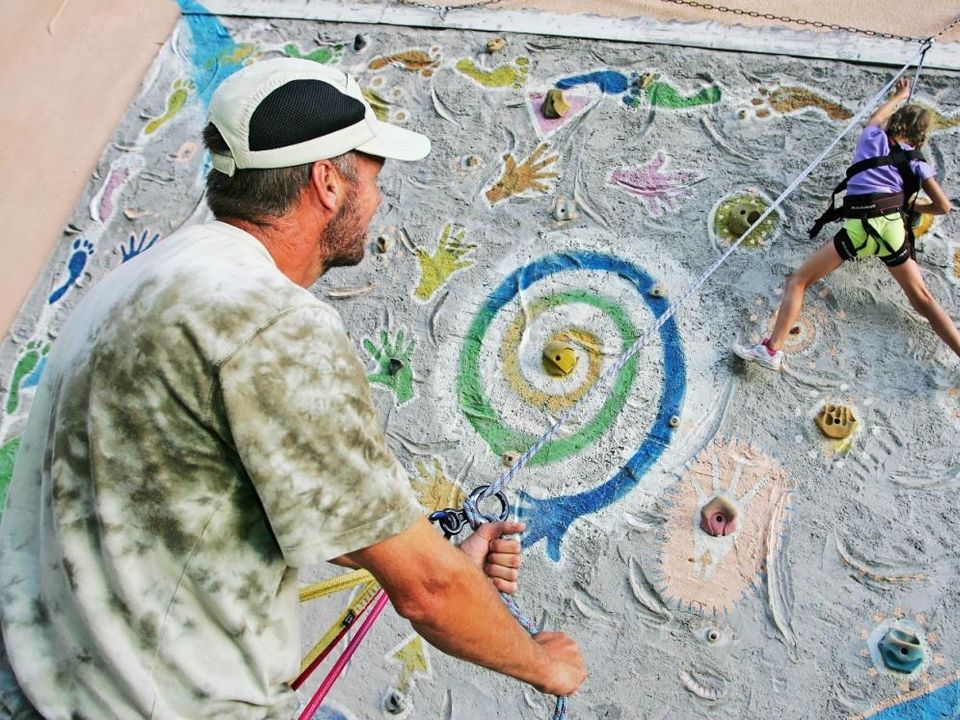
<point x="516" y="179"/>
<point x="434" y="490"/>
<point x="393" y="364"/>
<point x="658" y="188"/>
<point x="721" y="517"/>
<point x="82" y="250"/>
<point x="448" y="258"/>
<point x="135" y="246"/>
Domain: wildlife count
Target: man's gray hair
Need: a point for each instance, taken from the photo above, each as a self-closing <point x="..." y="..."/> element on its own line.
<point x="257" y="195"/>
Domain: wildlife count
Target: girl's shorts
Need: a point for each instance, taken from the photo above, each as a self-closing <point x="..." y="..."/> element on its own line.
<point x="853" y="242"/>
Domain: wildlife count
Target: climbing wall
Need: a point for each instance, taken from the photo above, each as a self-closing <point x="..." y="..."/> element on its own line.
<point x="722" y="541"/>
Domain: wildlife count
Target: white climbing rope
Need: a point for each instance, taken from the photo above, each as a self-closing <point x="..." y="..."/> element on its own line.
<point x="471" y="504"/>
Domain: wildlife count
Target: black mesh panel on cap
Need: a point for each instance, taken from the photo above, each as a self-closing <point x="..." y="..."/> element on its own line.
<point x="301" y="110"/>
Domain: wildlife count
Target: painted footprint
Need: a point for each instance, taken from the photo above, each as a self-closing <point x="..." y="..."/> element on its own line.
<point x="507" y="75"/>
<point x="384" y="109"/>
<point x="27" y="372"/>
<point x="660" y="93"/>
<point x="8" y="455"/>
<point x="175" y="101"/>
<point x="609" y="82"/>
<point x="121" y="171"/>
<point x="414" y="60"/>
<point x="82" y="250"/>
<point x="791" y="99"/>
<point x="325" y="54"/>
<point x="234" y="56"/>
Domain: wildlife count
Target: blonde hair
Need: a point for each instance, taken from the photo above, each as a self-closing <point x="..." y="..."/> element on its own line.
<point x="911" y="122"/>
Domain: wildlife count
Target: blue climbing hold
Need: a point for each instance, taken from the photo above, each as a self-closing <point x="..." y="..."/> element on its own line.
<point x="901" y="650"/>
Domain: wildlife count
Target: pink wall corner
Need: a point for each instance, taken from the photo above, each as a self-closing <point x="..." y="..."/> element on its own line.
<point x="68" y="70"/>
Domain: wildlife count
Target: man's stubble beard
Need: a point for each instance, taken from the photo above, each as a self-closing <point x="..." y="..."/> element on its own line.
<point x="344" y="238"/>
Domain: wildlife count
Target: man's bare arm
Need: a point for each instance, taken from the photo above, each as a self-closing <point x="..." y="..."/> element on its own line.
<point x="450" y="602"/>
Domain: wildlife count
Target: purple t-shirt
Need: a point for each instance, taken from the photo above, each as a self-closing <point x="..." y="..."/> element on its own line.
<point x="884" y="179"/>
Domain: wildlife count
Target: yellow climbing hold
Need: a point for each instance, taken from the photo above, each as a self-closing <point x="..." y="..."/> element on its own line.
<point x="559" y="358"/>
<point x="836" y="421"/>
<point x="921" y="223"/>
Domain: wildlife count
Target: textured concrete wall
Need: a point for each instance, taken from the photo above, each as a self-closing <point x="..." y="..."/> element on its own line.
<point x="71" y="66"/>
<point x="519" y="230"/>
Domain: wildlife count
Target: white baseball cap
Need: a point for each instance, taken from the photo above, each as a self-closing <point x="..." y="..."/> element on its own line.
<point x="287" y="111"/>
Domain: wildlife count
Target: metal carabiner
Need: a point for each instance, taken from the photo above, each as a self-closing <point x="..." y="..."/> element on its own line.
<point x="451" y="520"/>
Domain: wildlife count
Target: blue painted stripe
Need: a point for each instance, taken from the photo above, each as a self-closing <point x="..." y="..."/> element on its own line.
<point x="550" y="518"/>
<point x="939" y="704"/>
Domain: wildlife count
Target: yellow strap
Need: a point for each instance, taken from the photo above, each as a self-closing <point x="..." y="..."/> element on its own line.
<point x="333" y="585"/>
<point x="367" y="591"/>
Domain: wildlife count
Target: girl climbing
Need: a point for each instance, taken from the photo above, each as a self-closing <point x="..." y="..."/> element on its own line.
<point x="876" y="211"/>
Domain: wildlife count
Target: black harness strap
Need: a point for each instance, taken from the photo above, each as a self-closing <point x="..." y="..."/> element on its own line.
<point x="874" y="205"/>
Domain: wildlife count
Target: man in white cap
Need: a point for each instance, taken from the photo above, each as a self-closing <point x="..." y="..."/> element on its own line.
<point x="204" y="428"/>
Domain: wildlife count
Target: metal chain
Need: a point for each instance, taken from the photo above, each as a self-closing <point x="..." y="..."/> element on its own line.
<point x="444" y="9"/>
<point x="800" y="21"/>
<point x="947" y="29"/>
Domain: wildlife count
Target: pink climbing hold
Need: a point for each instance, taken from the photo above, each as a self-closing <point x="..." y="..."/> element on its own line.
<point x="718" y="517"/>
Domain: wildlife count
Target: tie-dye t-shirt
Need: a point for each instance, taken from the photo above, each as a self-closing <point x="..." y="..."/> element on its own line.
<point x="203" y="428"/>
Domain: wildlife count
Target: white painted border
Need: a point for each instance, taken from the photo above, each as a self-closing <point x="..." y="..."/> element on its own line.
<point x="775" y="41"/>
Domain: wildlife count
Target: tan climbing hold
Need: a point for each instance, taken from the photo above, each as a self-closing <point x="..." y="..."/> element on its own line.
<point x="658" y="291"/>
<point x="674" y="421"/>
<point x="564" y="209"/>
<point x="559" y="358"/>
<point x="496" y="45"/>
<point x="836" y="421"/>
<point x="509" y="458"/>
<point x="554" y="104"/>
<point x="741" y="216"/>
<point x="386" y="240"/>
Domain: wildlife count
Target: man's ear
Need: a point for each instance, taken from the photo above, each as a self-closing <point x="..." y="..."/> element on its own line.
<point x="326" y="184"/>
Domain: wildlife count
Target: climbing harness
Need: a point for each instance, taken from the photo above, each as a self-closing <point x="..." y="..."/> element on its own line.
<point x="864" y="207"/>
<point x="451" y="521"/>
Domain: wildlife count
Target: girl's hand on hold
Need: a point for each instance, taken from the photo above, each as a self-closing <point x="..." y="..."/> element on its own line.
<point x="902" y="90"/>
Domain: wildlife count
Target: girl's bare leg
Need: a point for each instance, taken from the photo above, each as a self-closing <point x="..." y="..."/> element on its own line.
<point x="823" y="262"/>
<point x="910" y="279"/>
